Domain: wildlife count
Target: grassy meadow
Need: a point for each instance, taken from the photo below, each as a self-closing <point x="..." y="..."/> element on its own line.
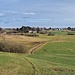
<point x="55" y="57"/>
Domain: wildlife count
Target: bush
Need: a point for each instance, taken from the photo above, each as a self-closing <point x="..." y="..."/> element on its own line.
<point x="70" y="33"/>
<point x="50" y="34"/>
<point x="43" y="32"/>
<point x="12" y="47"/>
<point x="31" y="34"/>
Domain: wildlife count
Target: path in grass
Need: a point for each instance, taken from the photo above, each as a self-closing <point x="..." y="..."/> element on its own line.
<point x="35" y="72"/>
<point x="16" y="64"/>
<point x="32" y="50"/>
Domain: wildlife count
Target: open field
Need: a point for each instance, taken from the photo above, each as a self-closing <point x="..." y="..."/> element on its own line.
<point x="55" y="57"/>
<point x="28" y="41"/>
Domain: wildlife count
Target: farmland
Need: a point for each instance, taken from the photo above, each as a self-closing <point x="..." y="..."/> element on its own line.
<point x="55" y="57"/>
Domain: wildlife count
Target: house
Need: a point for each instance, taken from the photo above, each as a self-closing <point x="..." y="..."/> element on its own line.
<point x="30" y="31"/>
<point x="34" y="31"/>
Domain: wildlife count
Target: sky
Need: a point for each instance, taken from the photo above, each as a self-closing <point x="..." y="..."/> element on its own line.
<point x="37" y="13"/>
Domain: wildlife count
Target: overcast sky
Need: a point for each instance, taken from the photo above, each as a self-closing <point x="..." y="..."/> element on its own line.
<point x="38" y="13"/>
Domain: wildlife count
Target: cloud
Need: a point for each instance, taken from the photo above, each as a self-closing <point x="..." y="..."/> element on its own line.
<point x="31" y="20"/>
<point x="2" y="14"/>
<point x="20" y="13"/>
<point x="17" y="19"/>
<point x="6" y="22"/>
<point x="30" y="13"/>
<point x="39" y="20"/>
<point x="12" y="12"/>
<point x="69" y="19"/>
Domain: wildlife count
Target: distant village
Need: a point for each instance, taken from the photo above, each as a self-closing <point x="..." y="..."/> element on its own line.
<point x="32" y="31"/>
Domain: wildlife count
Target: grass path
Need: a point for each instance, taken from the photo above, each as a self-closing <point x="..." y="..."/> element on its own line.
<point x="35" y="72"/>
<point x="32" y="50"/>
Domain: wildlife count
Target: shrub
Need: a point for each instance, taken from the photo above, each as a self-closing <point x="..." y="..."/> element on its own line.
<point x="12" y="47"/>
<point x="31" y="34"/>
<point x="1" y="46"/>
<point x="70" y="33"/>
<point x="43" y="32"/>
<point x="50" y="34"/>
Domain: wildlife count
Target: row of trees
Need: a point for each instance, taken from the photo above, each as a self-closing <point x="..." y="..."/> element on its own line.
<point x="72" y="29"/>
<point x="26" y="29"/>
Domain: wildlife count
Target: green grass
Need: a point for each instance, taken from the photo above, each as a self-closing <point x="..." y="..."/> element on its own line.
<point x="47" y="67"/>
<point x="56" y="57"/>
<point x="14" y="64"/>
<point x="56" y="32"/>
<point x="58" y="48"/>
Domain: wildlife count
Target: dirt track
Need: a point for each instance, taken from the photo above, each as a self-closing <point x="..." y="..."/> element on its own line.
<point x="36" y="47"/>
<point x="35" y="72"/>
